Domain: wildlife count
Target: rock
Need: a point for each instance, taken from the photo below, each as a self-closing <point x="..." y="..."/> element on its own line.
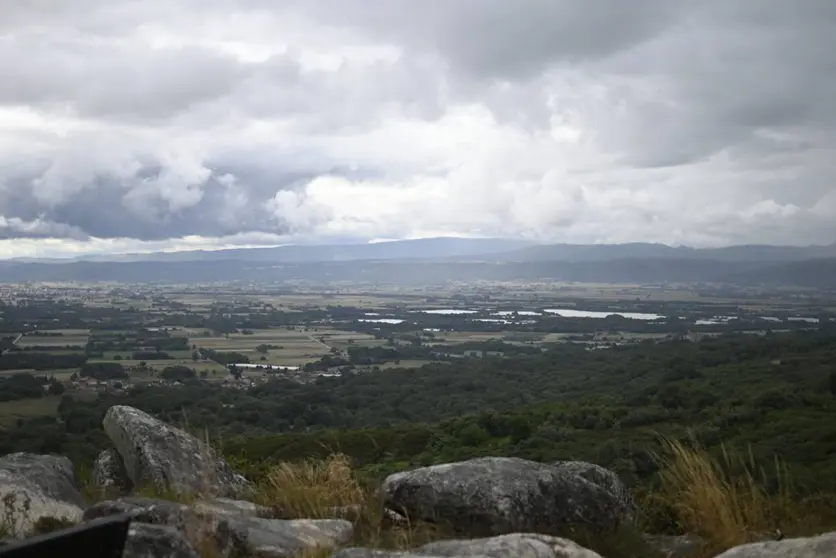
<point x="37" y="486"/>
<point x="156" y="541"/>
<point x="510" y="546"/>
<point x="279" y="538"/>
<point x="517" y="545"/>
<point x="499" y="495"/>
<point x="229" y="526"/>
<point x="153" y="511"/>
<point x="675" y="546"/>
<point x="372" y="553"/>
<point x="109" y="473"/>
<point x="823" y="546"/>
<point x="604" y="478"/>
<point x="227" y="506"/>
<point x="168" y="458"/>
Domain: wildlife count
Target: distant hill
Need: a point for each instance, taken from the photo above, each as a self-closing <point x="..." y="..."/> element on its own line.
<point x="812" y="273"/>
<point x="434" y="261"/>
<point x="603" y="252"/>
<point x="425" y="248"/>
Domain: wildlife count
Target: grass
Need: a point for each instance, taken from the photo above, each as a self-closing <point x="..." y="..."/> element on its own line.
<point x="329" y="488"/>
<point x="729" y="500"/>
<point x="312" y="488"/>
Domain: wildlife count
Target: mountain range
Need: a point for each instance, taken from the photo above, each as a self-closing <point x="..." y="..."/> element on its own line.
<point x="437" y="260"/>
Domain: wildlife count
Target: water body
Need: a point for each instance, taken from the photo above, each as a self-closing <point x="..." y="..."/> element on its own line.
<point x="569" y="313"/>
<point x="800" y="319"/>
<point x="393" y="321"/>
<point x="716" y="320"/>
<point x="492" y="320"/>
<point x="518" y="312"/>
<point x="449" y="311"/>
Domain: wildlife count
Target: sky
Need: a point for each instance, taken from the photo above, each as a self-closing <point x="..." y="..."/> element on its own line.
<point x="136" y="125"/>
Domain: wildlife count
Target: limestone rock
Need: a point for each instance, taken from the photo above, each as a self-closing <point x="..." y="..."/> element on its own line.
<point x="109" y="473"/>
<point x="517" y="545"/>
<point x="228" y="506"/>
<point x="823" y="546"/>
<point x="152" y="511"/>
<point x="280" y="538"/>
<point x="156" y="541"/>
<point x="509" y="546"/>
<point x="499" y="495"/>
<point x="167" y="458"/>
<point x="607" y="480"/>
<point x="675" y="546"/>
<point x="35" y="486"/>
<point x="230" y="528"/>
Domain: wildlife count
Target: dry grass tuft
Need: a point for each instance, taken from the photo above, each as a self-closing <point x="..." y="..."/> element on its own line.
<point x="311" y="489"/>
<point x="328" y="488"/>
<point x="725" y="499"/>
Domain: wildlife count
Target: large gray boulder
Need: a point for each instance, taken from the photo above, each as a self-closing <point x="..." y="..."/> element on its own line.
<point x="37" y="486"/>
<point x="167" y="458"/>
<point x="109" y="473"/>
<point x="517" y="545"/>
<point x="499" y="495"/>
<point x="232" y="528"/>
<point x="823" y="546"/>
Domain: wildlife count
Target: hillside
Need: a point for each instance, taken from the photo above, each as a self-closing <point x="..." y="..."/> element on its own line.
<point x="812" y="273"/>
<point x="533" y="426"/>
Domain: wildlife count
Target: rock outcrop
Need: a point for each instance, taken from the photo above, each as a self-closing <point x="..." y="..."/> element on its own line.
<point x="675" y="546"/>
<point x="823" y="546"/>
<point x="167" y="458"/>
<point x="109" y="473"/>
<point x="156" y="541"/>
<point x="230" y="528"/>
<point x="37" y="486"/>
<point x="498" y="495"/>
<point x="518" y="545"/>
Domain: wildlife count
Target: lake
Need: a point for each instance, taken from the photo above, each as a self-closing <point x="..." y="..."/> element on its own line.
<point x="449" y="311"/>
<point x="569" y="313"/>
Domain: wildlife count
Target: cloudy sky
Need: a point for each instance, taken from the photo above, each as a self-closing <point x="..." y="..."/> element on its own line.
<point x="163" y="124"/>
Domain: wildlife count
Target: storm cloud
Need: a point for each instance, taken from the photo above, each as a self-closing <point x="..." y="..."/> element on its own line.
<point x="127" y="124"/>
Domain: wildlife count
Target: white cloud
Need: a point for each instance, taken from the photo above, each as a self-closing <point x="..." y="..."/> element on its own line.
<point x="183" y="123"/>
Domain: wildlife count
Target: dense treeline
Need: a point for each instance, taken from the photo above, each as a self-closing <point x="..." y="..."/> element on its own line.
<point x="22" y="360"/>
<point x="104" y="371"/>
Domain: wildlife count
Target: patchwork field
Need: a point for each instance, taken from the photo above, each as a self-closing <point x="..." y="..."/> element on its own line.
<point x="294" y="347"/>
<point x="55" y="338"/>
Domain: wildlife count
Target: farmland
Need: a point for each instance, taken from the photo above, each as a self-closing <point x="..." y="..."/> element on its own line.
<point x="109" y="340"/>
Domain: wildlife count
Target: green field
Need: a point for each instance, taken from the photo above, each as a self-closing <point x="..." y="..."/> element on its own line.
<point x="295" y="347"/>
<point x="158" y="365"/>
<point x="12" y="411"/>
<point x="60" y="338"/>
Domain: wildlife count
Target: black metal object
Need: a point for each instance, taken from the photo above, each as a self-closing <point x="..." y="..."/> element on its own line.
<point x="100" y="538"/>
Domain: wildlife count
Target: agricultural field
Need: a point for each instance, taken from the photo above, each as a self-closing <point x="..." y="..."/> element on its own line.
<point x="23" y="409"/>
<point x="55" y="338"/>
<point x="285" y="347"/>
